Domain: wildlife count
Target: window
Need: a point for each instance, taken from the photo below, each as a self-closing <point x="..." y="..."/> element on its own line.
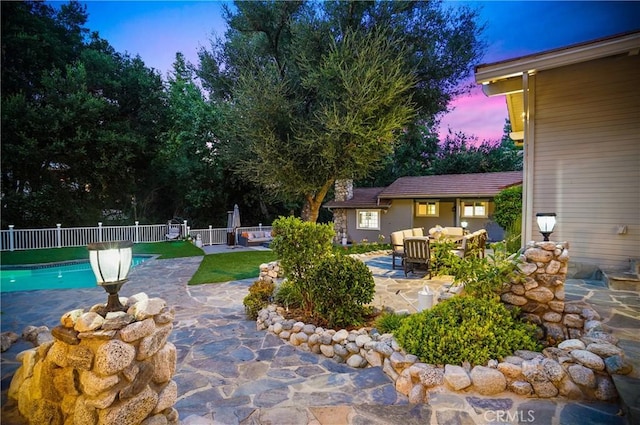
<point x="427" y="209"/>
<point x="475" y="208"/>
<point x="368" y="219"/>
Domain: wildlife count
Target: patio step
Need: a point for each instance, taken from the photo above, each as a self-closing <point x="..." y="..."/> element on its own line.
<point x="622" y="281"/>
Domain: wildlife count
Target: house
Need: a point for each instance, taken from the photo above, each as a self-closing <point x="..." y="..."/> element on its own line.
<point x="421" y="201"/>
<point x="576" y="110"/>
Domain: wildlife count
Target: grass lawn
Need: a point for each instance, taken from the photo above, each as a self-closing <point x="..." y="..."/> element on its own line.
<point x="216" y="268"/>
<point x="172" y="249"/>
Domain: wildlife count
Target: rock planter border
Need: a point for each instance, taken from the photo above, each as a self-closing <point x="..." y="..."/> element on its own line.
<point x="578" y="368"/>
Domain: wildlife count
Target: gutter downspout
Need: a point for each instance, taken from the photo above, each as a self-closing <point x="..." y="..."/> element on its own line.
<point x="528" y="97"/>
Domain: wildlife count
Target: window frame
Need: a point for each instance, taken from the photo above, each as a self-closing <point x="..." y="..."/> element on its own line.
<point x="427" y="202"/>
<point x="368" y="210"/>
<point x="484" y="202"/>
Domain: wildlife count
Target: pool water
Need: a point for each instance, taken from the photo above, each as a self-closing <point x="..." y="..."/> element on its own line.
<point x="76" y="274"/>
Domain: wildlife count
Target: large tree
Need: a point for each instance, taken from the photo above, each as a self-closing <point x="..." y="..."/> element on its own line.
<point x="321" y="91"/>
<point x="79" y="120"/>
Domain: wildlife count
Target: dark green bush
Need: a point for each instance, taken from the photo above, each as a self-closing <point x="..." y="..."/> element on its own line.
<point x="259" y="295"/>
<point x="389" y="322"/>
<point x="508" y="206"/>
<point x="287" y="295"/>
<point x="300" y="246"/>
<point x="341" y="287"/>
<point x="465" y="329"/>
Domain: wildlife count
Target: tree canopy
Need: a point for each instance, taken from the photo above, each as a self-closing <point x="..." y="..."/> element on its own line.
<point x="296" y="95"/>
<point x="323" y="91"/>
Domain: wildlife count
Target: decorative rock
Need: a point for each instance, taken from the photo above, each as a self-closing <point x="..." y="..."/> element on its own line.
<point x="88" y="322"/>
<point x="572" y="344"/>
<point x="588" y="359"/>
<point x="69" y="319"/>
<point x="573" y="321"/>
<point x="544" y="389"/>
<point x="167" y="397"/>
<point x="553" y="370"/>
<point x="540" y="294"/>
<point x="605" y="389"/>
<point x="117" y="320"/>
<point x="132" y="411"/>
<point x="398" y="361"/>
<point x="538" y="255"/>
<point x="340" y="336"/>
<point x="521" y="388"/>
<point x="553" y="267"/>
<point x="417" y="394"/>
<point x="404" y="385"/>
<point x="488" y="381"/>
<point x="513" y="299"/>
<point x="604" y="349"/>
<point x="552" y="316"/>
<point x="617" y="365"/>
<point x="7" y="339"/>
<point x="569" y="389"/>
<point x="147" y="308"/>
<point x="374" y="358"/>
<point x="138" y="330"/>
<point x="361" y="340"/>
<point x="582" y="375"/>
<point x="431" y="376"/>
<point x="93" y="384"/>
<point x="456" y="377"/>
<point x="356" y="361"/>
<point x="152" y="343"/>
<point x="327" y="350"/>
<point x="510" y="370"/>
<point x="113" y="356"/>
<point x="527" y="268"/>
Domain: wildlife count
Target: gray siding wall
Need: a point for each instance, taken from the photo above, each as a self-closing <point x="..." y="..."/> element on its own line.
<point x="587" y="158"/>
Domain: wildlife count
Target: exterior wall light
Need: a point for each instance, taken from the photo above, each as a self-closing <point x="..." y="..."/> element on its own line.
<point x="464" y="225"/>
<point x="111" y="262"/>
<point x="546" y="223"/>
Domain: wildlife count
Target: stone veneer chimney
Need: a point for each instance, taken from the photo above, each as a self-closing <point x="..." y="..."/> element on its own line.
<point x="343" y="192"/>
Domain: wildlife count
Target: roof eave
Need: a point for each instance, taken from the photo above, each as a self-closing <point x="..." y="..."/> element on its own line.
<point x="626" y="43"/>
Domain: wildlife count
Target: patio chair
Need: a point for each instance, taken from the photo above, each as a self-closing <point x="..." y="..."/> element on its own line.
<point x="398" y="248"/>
<point x="416" y="251"/>
<point x="173" y="230"/>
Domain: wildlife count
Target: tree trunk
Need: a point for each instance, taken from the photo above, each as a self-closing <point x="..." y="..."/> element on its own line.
<point x="313" y="202"/>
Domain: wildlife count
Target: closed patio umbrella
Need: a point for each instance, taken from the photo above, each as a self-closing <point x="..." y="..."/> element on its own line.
<point x="235" y="224"/>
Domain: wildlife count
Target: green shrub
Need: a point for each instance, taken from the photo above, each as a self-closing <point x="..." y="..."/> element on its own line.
<point x="259" y="295"/>
<point x="465" y="328"/>
<point x="508" y="206"/>
<point x="389" y="322"/>
<point x="300" y="246"/>
<point x="341" y="287"/>
<point x="513" y="235"/>
<point x="443" y="260"/>
<point x="287" y="295"/>
<point x="485" y="277"/>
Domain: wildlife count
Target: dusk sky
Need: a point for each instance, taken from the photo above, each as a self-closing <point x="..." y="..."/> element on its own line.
<point x="156" y="30"/>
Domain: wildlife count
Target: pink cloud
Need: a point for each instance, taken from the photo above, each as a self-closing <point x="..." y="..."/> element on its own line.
<point x="476" y="114"/>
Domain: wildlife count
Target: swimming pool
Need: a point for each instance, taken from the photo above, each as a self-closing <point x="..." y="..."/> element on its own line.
<point x="68" y="275"/>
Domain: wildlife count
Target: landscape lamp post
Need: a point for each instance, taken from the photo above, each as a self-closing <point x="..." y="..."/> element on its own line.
<point x="546" y="223"/>
<point x="111" y="262"/>
<point x="464" y="224"/>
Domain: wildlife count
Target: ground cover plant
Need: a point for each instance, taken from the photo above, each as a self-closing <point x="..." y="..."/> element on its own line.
<point x="216" y="268"/>
<point x="165" y="250"/>
<point x="465" y="328"/>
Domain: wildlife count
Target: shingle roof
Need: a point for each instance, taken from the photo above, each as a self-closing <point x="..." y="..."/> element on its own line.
<point x="363" y="197"/>
<point x="451" y="185"/>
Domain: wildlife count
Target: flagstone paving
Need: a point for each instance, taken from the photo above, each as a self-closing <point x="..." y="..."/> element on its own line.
<point x="230" y="373"/>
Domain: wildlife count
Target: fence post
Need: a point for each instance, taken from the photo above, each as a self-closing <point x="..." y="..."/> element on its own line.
<point x="210" y="235"/>
<point x="137" y="231"/>
<point x="59" y="235"/>
<point x="185" y="228"/>
<point x="99" y="231"/>
<point x="11" y="240"/>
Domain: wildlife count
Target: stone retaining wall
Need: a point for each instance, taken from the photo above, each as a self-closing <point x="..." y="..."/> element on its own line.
<point x="113" y="370"/>
<point x="577" y="368"/>
<point x="538" y="290"/>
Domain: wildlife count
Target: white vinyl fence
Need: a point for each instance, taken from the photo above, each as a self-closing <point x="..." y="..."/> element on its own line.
<point x="59" y="237"/>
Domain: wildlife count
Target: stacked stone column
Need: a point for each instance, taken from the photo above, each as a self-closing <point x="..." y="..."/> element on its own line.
<point x="343" y="192"/>
<point x="115" y="369"/>
<point x="538" y="290"/>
